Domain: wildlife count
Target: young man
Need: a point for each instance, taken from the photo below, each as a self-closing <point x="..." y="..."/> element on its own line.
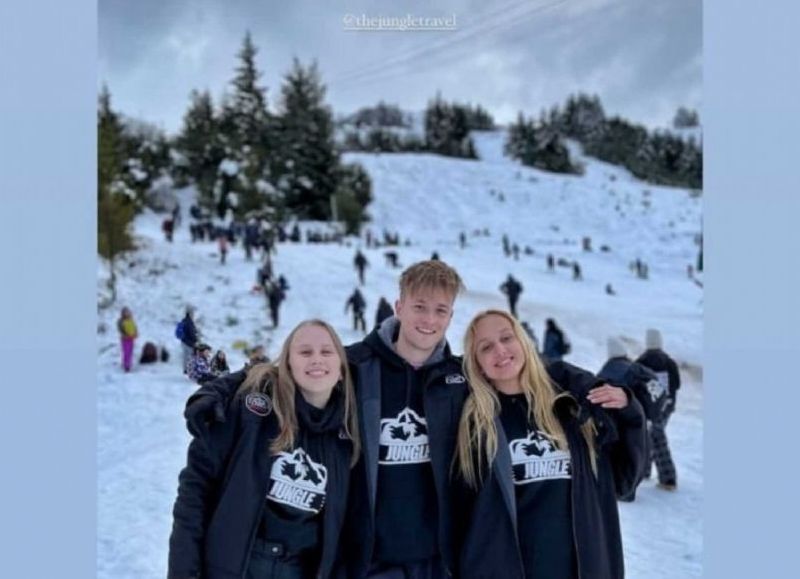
<point x="410" y="391"/>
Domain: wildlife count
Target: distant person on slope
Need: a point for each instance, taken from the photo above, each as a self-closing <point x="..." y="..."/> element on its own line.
<point x="620" y="370"/>
<point x="199" y="366"/>
<point x="187" y="333"/>
<point x="357" y="303"/>
<point x="264" y="490"/>
<point x="222" y="244"/>
<point x="665" y="368"/>
<point x="275" y="296"/>
<point x="168" y="226"/>
<point x="556" y="345"/>
<point x="219" y="364"/>
<point x="512" y="288"/>
<point x="529" y="331"/>
<point x="176" y="215"/>
<point x="360" y="262"/>
<point x="127" y="334"/>
<point x="255" y="356"/>
<point x="384" y="311"/>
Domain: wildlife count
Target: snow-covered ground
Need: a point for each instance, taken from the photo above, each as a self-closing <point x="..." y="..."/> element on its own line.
<point x="428" y="200"/>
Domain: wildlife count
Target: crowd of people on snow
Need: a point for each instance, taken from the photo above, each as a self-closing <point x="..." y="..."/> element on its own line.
<point x="394" y="458"/>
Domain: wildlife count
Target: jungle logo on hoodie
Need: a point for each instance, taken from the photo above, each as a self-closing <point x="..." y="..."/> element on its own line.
<point x="404" y="439"/>
<point x="536" y="458"/>
<point x="656" y="389"/>
<point x="298" y="481"/>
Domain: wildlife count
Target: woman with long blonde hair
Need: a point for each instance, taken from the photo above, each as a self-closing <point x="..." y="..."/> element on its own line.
<point x="263" y="494"/>
<point x="542" y="453"/>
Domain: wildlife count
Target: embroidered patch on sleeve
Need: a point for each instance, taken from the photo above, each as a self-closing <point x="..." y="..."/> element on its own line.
<point x="258" y="403"/>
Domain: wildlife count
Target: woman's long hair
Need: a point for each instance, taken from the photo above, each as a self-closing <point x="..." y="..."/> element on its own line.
<point x="477" y="434"/>
<point x="275" y="380"/>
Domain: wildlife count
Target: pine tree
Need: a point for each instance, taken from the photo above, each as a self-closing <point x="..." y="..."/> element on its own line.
<point x="353" y="194"/>
<point x="538" y="146"/>
<point x="245" y="128"/>
<point x="447" y="129"/>
<point x="436" y="125"/>
<point x="115" y="203"/>
<point x="690" y="165"/>
<point x="620" y="143"/>
<point x="583" y="117"/>
<point x="148" y="157"/>
<point x="200" y="145"/>
<point x="306" y="151"/>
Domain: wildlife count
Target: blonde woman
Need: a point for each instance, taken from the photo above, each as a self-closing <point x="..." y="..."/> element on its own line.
<point x="263" y="494"/>
<point x="542" y="453"/>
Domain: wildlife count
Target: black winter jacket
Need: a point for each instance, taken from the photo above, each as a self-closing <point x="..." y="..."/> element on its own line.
<point x="643" y="382"/>
<point x="189" y="332"/>
<point x="659" y="361"/>
<point x="488" y="530"/>
<point x="445" y="390"/>
<point x="223" y="489"/>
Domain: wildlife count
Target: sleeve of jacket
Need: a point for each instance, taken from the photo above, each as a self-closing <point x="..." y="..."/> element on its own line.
<point x="579" y="382"/>
<point x="198" y="485"/>
<point x="573" y="379"/>
<point x="209" y="402"/>
<point x="627" y="453"/>
<point x="191" y="333"/>
<point x="674" y="377"/>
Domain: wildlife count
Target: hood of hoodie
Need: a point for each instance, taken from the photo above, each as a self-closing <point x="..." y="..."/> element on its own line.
<point x="319" y="420"/>
<point x="382" y="340"/>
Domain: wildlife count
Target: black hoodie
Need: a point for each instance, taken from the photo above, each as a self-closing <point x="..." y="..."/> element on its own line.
<point x="488" y="537"/>
<point x="399" y="507"/>
<point x="292" y="513"/>
<point x="220" y="508"/>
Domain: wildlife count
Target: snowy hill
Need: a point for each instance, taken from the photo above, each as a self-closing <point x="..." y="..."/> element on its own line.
<point x="428" y="200"/>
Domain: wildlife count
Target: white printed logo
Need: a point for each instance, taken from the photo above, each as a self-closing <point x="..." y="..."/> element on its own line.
<point x="454" y="379"/>
<point x="536" y="458"/>
<point x="404" y="440"/>
<point x="298" y="481"/>
<point x="663" y="378"/>
<point x="656" y="389"/>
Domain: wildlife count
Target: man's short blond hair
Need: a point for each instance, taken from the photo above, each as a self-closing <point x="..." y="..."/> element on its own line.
<point x="430" y="275"/>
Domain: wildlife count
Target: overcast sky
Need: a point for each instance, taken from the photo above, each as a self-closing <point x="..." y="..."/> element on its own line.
<point x="643" y="58"/>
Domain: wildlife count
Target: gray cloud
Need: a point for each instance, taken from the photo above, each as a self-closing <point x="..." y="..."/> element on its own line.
<point x="642" y="59"/>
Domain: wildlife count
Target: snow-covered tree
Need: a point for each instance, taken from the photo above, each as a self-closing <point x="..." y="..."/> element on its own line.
<point x="201" y="146"/>
<point x="305" y="154"/>
<point x="447" y="129"/>
<point x="538" y="146"/>
<point x="116" y="205"/>
<point x="246" y="132"/>
<point x="353" y="194"/>
<point x="583" y="117"/>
